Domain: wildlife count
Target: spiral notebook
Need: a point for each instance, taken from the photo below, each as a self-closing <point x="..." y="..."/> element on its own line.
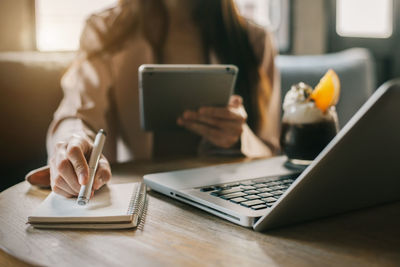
<point x="114" y="206"/>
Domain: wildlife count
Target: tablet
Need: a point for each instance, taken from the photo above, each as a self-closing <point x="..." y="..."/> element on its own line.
<point x="166" y="91"/>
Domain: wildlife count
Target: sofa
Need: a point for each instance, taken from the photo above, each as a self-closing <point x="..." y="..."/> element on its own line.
<point x="30" y="93"/>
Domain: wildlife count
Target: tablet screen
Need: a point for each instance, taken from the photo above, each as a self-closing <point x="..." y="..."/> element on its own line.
<point x="166" y="91"/>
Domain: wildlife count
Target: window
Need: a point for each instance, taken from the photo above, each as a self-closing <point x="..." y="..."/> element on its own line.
<point x="271" y="14"/>
<point x="364" y="18"/>
<point x="59" y="22"/>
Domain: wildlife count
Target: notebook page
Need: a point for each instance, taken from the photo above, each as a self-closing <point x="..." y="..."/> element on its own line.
<point x="109" y="204"/>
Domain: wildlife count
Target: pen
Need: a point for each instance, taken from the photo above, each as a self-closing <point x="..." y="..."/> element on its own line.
<point x="86" y="190"/>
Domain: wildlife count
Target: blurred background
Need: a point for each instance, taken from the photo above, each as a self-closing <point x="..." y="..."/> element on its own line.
<point x="38" y="40"/>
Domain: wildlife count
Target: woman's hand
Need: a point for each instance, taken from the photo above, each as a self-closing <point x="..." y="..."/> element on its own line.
<point x="69" y="168"/>
<point x="220" y="126"/>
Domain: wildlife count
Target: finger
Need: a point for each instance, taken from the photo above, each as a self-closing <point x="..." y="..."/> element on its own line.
<point x="76" y="150"/>
<point x="217" y="137"/>
<point x="71" y="178"/>
<point x="207" y="132"/>
<point x="103" y="174"/>
<point x="54" y="179"/>
<point x="60" y="191"/>
<point x="60" y="183"/>
<point x="66" y="170"/>
<point x="83" y="142"/>
<point x="230" y="126"/>
<point x="222" y="113"/>
<point x="235" y="101"/>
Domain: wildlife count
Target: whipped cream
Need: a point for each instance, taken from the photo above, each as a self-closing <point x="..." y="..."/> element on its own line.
<point x="298" y="108"/>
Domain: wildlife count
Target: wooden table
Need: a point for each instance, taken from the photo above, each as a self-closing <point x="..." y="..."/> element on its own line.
<point x="177" y="234"/>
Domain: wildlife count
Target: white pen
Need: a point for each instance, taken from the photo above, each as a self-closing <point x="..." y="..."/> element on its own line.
<point x="86" y="190"/>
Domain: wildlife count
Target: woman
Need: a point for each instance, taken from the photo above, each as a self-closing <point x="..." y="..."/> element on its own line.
<point x="101" y="87"/>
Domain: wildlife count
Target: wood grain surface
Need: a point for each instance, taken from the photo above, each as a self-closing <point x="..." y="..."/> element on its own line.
<point x="176" y="234"/>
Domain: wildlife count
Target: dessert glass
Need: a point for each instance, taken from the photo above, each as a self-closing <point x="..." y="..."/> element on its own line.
<point x="306" y="130"/>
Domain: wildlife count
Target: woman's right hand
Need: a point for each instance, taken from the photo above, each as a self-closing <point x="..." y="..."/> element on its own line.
<point x="69" y="168"/>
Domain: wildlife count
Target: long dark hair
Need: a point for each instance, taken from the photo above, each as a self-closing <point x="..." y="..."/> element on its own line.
<point x="224" y="32"/>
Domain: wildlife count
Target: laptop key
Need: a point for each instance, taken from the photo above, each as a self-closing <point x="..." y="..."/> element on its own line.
<point x="238" y="199"/>
<point x="277" y="192"/>
<point x="287" y="181"/>
<point x="266" y="194"/>
<point x="247" y="187"/>
<point x="233" y="195"/>
<point x="259" y="207"/>
<point x="278" y="187"/>
<point x="226" y="187"/>
<point x="251" y="192"/>
<point x="269" y="199"/>
<point x="247" y="183"/>
<point x="264" y="189"/>
<point x="266" y="179"/>
<point x="251" y="203"/>
<point x="260" y="185"/>
<point x="251" y="197"/>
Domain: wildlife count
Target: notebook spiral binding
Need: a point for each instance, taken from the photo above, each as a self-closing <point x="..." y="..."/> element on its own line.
<point x="136" y="204"/>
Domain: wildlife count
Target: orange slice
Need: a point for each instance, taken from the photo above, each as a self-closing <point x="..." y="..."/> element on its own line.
<point x="326" y="93"/>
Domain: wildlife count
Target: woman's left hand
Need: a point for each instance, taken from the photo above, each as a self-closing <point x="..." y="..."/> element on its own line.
<point x="220" y="126"/>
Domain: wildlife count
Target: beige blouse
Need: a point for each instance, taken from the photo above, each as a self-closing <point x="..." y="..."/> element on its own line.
<point x="102" y="92"/>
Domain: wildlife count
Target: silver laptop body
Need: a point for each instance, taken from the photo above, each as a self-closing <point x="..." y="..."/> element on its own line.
<point x="359" y="168"/>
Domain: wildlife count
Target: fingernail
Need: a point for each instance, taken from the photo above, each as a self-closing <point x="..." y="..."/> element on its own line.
<point x="82" y="179"/>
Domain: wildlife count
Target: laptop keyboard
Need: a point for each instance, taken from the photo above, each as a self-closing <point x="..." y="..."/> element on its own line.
<point x="256" y="194"/>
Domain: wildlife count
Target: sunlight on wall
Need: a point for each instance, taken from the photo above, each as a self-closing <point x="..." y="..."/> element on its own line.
<point x="59" y="23"/>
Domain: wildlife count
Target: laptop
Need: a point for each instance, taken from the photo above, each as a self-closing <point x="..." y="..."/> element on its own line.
<point x="358" y="168"/>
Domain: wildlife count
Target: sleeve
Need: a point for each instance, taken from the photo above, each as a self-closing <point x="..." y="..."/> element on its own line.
<point x="85" y="103"/>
